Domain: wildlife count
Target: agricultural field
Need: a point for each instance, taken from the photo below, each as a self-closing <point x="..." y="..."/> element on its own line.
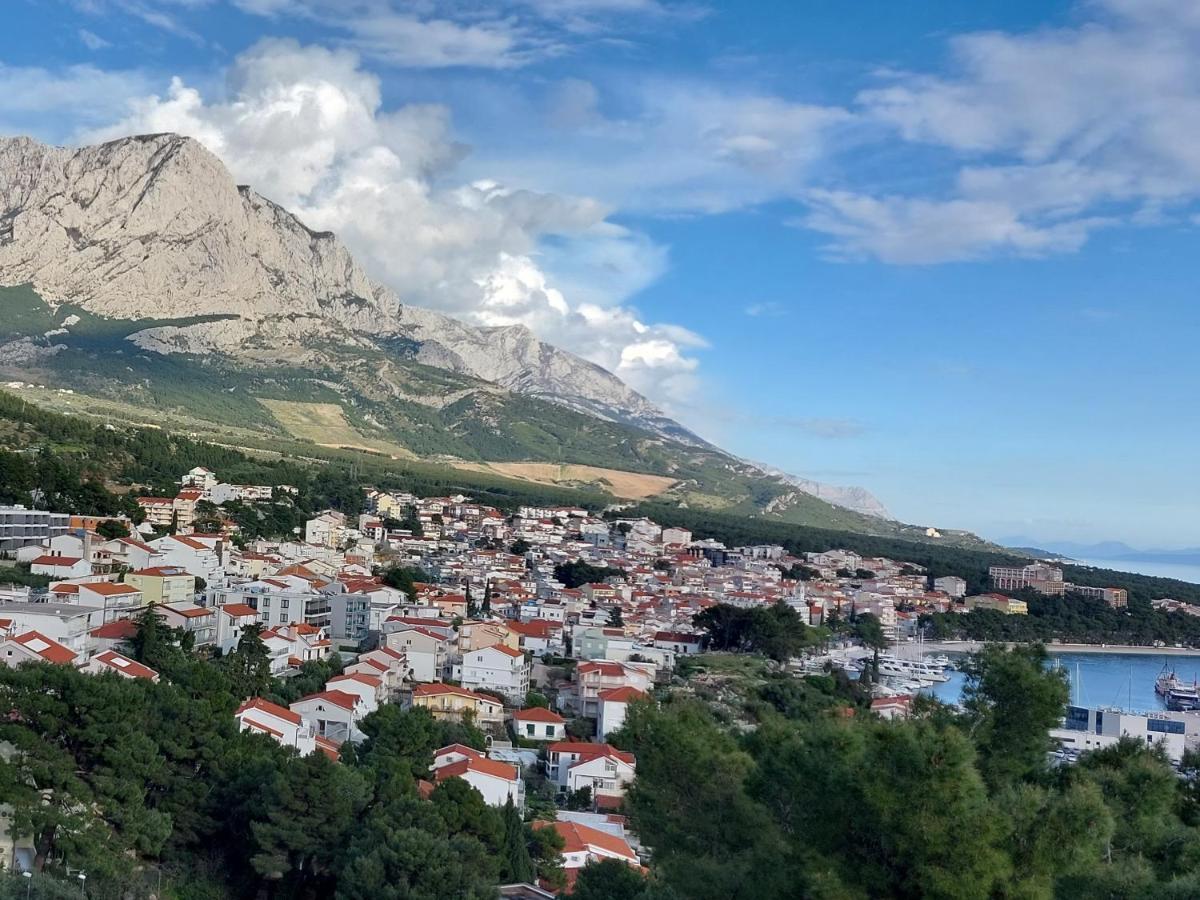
<point x="625" y="485"/>
<point x="325" y="425"/>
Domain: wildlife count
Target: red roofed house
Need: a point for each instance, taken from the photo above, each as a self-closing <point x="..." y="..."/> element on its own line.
<point x="495" y="780"/>
<point x="603" y="768"/>
<point x="594" y="676"/>
<point x="427" y="652"/>
<point x="539" y="724"/>
<point x="111" y="661"/>
<point x="613" y="704"/>
<point x="496" y="668"/>
<point x="680" y="643"/>
<point x="33" y="646"/>
<point x="335" y="714"/>
<point x="118" y="601"/>
<point x="892" y="707"/>
<point x="382" y="663"/>
<point x="286" y="727"/>
<point x="539" y="636"/>
<point x="583" y="844"/>
<point x="112" y="634"/>
<point x="60" y="566"/>
<point x="368" y="688"/>
<point x="445" y="701"/>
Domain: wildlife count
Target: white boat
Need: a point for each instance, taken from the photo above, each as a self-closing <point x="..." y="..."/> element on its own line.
<point x="918" y="669"/>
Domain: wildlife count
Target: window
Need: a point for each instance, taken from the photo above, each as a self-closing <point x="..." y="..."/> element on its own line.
<point x="1165" y="726"/>
<point x="529" y="729"/>
<point x="284" y="603"/>
<point x="266" y="602"/>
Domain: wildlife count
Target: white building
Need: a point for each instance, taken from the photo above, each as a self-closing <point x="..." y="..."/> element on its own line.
<point x="21" y="527"/>
<point x="496" y="781"/>
<point x="1092" y="729"/>
<point x="539" y="724"/>
<point x="496" y="668"/>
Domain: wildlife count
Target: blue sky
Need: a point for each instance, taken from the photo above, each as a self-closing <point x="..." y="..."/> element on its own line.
<point x="942" y="250"/>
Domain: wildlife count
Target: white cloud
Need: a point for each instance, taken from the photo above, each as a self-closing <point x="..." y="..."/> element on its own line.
<point x="306" y="126"/>
<point x="31" y="97"/>
<point x="1064" y="130"/>
<point x="767" y="309"/>
<point x="914" y="230"/>
<point x="92" y="41"/>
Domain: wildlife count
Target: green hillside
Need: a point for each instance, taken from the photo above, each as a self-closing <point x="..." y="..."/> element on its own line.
<point x="390" y="407"/>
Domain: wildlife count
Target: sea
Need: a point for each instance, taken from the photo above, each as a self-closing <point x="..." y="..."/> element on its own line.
<point x="1124" y="681"/>
<point x="1182" y="571"/>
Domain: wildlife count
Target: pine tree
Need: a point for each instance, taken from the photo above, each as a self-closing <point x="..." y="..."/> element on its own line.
<point x="514" y="854"/>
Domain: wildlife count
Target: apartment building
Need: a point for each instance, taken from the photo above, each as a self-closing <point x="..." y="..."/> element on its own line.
<point x="21" y="527"/>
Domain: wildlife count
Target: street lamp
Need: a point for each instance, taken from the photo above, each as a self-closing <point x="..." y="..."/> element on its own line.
<point x="28" y="876"/>
<point x="82" y="876"/>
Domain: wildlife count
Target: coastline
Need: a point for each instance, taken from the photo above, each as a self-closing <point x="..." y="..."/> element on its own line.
<point x="1114" y="649"/>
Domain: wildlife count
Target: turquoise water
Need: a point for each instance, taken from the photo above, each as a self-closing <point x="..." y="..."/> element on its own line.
<point x="1104" y="679"/>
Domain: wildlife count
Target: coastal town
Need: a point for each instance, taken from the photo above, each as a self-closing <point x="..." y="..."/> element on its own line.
<point x="540" y="627"/>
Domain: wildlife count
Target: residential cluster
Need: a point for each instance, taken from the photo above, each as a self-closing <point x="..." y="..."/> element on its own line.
<point x="579" y="613"/>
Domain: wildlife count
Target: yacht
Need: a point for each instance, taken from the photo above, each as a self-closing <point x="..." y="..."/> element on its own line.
<point x="919" y="669"/>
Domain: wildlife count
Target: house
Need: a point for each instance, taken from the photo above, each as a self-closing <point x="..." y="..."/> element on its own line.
<point x="539" y="636"/>
<point x="678" y="642"/>
<point x="427" y="652"/>
<point x="367" y="688"/>
<point x="284" y="726"/>
<point x="583" y="844"/>
<point x="115" y="601"/>
<point x="496" y="781"/>
<point x="201" y="558"/>
<point x="163" y="584"/>
<point x="112" y="635"/>
<point x="539" y="724"/>
<point x="334" y="714"/>
<point x="132" y="554"/>
<point x="198" y="621"/>
<point x="32" y="646"/>
<point x="60" y="566"/>
<point x="232" y="620"/>
<point x="111" y="661"/>
<point x="446" y="701"/>
<point x="386" y="665"/>
<point x="604" y="769"/>
<point x="496" y="668"/>
<point x="326" y="530"/>
<point x="598" y="675"/>
<point x="892" y="707"/>
<point x="613" y="704"/>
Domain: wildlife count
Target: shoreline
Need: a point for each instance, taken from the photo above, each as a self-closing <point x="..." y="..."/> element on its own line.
<point x="1113" y="649"/>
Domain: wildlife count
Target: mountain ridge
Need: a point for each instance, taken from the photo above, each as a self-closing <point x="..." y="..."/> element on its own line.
<point x="154" y="226"/>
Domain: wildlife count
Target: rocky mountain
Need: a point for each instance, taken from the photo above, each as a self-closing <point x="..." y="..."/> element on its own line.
<point x="153" y="231"/>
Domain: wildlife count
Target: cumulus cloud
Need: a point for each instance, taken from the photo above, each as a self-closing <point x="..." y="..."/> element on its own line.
<point x="1064" y="130"/>
<point x="306" y="126"/>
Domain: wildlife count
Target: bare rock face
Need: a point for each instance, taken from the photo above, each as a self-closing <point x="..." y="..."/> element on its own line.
<point x="154" y="227"/>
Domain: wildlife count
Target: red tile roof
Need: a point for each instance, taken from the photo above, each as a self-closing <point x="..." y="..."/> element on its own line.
<point x="125" y="666"/>
<point x="270" y="708"/>
<point x="66" y="561"/>
<point x="481" y="764"/>
<point x="237" y="610"/>
<point x="47" y="648"/>
<point x="539" y="714"/>
<point x="622" y="694"/>
<point x="117" y="630"/>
